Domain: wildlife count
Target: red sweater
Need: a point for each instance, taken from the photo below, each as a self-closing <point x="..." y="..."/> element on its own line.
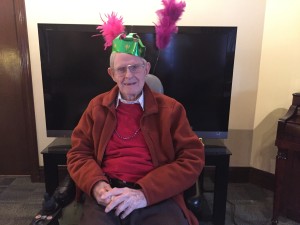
<point x="129" y="159"/>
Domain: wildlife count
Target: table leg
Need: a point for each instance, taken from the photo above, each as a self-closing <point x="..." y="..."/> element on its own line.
<point x="220" y="190"/>
<point x="50" y="174"/>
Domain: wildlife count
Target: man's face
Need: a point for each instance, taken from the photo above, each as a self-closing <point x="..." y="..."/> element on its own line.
<point x="129" y="73"/>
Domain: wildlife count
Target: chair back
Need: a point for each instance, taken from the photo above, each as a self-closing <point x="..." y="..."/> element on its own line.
<point x="154" y="83"/>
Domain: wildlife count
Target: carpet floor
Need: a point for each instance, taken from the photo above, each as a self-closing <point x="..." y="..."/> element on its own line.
<point x="247" y="204"/>
<point x="19" y="199"/>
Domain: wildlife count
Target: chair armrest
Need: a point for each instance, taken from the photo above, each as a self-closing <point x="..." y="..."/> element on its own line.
<point x="64" y="194"/>
<point x="193" y="200"/>
<point x="52" y="206"/>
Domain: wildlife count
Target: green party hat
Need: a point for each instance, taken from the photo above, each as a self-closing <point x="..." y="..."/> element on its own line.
<point x="130" y="44"/>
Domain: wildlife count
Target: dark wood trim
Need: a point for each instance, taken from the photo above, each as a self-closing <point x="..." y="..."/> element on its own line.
<point x="239" y="174"/>
<point x="261" y="178"/>
<point x="236" y="174"/>
<point x="41" y="174"/>
<point x="62" y="172"/>
<point x="252" y="175"/>
<point x="27" y="92"/>
<point x="247" y="175"/>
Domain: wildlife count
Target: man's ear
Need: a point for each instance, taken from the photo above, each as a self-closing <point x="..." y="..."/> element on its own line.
<point x="111" y="73"/>
<point x="148" y="67"/>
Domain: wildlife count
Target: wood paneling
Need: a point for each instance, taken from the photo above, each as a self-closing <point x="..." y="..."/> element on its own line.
<point x="18" y="144"/>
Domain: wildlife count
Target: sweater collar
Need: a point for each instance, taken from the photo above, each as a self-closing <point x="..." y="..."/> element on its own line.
<point x="150" y="104"/>
<point x="140" y="100"/>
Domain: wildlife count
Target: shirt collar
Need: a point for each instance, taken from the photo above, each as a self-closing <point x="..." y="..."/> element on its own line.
<point x="140" y="100"/>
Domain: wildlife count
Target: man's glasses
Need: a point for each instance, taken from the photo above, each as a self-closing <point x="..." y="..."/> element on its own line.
<point x="134" y="69"/>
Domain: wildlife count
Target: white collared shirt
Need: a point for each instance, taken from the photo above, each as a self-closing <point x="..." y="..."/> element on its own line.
<point x="140" y="100"/>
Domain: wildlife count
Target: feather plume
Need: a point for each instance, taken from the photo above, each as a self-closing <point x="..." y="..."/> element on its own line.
<point x="111" y="28"/>
<point x="167" y="18"/>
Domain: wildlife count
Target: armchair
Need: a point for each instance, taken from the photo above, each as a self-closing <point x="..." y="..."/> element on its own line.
<point x="62" y="209"/>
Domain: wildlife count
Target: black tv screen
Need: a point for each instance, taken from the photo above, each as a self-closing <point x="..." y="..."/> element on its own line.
<point x="196" y="68"/>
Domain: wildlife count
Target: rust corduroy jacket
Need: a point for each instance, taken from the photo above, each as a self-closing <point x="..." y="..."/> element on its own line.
<point x="177" y="153"/>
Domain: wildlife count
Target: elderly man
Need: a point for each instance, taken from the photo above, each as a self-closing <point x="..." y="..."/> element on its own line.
<point x="133" y="151"/>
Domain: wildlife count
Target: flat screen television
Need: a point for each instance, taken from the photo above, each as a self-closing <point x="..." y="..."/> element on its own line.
<point x="196" y="68"/>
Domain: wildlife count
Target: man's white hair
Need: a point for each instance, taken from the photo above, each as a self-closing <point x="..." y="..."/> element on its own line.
<point x="112" y="59"/>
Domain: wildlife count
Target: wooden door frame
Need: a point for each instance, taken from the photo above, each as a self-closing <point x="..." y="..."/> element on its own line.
<point x="27" y="90"/>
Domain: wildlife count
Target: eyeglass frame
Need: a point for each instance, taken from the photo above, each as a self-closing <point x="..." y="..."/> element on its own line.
<point x="118" y="71"/>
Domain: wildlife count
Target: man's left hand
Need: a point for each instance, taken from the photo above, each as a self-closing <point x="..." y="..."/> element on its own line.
<point x="125" y="200"/>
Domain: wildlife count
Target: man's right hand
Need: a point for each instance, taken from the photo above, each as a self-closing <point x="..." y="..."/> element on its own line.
<point x="99" y="189"/>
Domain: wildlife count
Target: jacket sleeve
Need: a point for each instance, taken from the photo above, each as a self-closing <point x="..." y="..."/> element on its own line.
<point x="172" y="177"/>
<point x="81" y="163"/>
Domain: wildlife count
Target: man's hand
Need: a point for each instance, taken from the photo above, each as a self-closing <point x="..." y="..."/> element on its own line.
<point x="98" y="191"/>
<point x="124" y="201"/>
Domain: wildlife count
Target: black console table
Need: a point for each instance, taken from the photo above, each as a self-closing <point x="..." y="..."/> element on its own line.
<point x="55" y="155"/>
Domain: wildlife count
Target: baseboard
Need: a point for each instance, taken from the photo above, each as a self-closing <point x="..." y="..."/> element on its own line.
<point x="62" y="172"/>
<point x="236" y="175"/>
<point x="262" y="179"/>
<point x="41" y="174"/>
<point x="247" y="175"/>
<point x="252" y="175"/>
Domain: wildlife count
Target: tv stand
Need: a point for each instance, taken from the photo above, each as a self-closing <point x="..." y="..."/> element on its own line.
<point x="218" y="156"/>
<point x="58" y="148"/>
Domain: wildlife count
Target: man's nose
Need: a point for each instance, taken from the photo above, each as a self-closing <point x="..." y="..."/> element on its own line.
<point x="128" y="73"/>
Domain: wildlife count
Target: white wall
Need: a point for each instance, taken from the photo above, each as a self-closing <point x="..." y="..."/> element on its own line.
<point x="279" y="77"/>
<point x="247" y="15"/>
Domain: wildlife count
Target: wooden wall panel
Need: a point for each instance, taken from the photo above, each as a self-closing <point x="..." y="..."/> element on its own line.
<point x="18" y="144"/>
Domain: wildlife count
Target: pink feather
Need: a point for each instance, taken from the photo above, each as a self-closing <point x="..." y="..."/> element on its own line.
<point x="167" y="19"/>
<point x="111" y="28"/>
